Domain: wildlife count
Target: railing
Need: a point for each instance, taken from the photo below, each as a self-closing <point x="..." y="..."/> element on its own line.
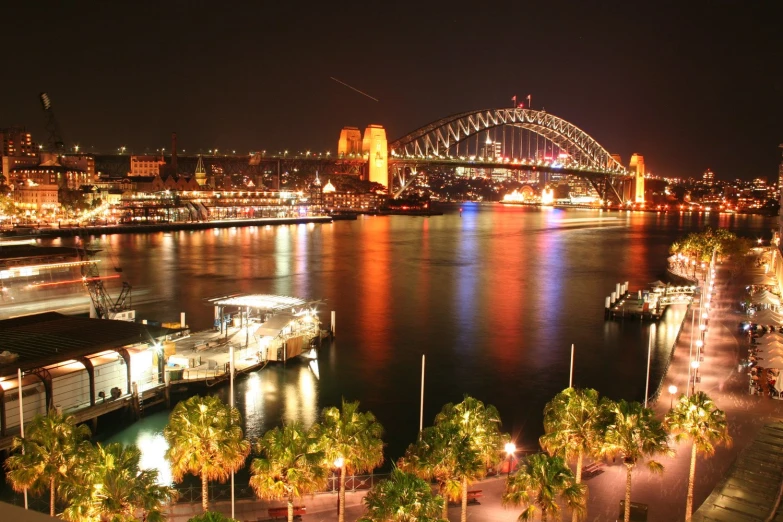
<point x="217" y="492"/>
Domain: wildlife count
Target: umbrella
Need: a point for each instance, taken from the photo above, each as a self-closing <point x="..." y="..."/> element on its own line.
<point x="773" y="337"/>
<point x="762" y="279"/>
<point x="775" y="361"/>
<point x="767" y="317"/>
<point x="766" y="299"/>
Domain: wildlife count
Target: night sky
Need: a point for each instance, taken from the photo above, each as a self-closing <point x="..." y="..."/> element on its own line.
<point x="687" y="87"/>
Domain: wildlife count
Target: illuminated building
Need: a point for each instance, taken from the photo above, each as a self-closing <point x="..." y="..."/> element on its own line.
<point x="17" y="149"/>
<point x="146" y="165"/>
<point x="492" y="149"/>
<point x="31" y="196"/>
<point x="708" y="177"/>
<point x="334" y="200"/>
<point x="51" y="172"/>
<point x="780" y="188"/>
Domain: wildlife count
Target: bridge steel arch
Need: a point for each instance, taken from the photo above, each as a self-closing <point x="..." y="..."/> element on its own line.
<point x="436" y="139"/>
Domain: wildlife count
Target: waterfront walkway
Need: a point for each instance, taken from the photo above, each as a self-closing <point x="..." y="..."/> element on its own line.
<point x="664" y="494"/>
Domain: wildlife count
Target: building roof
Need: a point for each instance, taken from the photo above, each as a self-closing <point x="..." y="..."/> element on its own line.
<point x="269" y="303"/>
<point x="274" y="325"/>
<point x="50" y="337"/>
<point x="749" y="490"/>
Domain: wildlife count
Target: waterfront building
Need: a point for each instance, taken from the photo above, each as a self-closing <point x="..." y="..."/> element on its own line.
<point x="50" y="173"/>
<point x="204" y="205"/>
<point x="40" y="198"/>
<point x="146" y="165"/>
<point x="708" y="178"/>
<point x="334" y="200"/>
<point x="75" y="365"/>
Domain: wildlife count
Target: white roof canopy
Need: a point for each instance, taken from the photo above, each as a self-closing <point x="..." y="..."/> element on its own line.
<point x="264" y="302"/>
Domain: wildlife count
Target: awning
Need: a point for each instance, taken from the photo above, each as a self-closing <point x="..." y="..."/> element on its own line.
<point x="274" y="325"/>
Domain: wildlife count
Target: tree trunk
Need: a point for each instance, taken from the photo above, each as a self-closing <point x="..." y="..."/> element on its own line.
<point x="627" y="516"/>
<point x="51" y="497"/>
<point x="204" y="491"/>
<point x="543" y="514"/>
<point x="290" y="509"/>
<point x="445" y="513"/>
<point x="341" y="496"/>
<point x="464" y="515"/>
<point x="691" y="476"/>
<point x="574" y="516"/>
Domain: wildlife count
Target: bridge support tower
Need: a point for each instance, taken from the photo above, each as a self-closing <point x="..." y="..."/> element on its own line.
<point x="375" y="148"/>
<point x="637" y="169"/>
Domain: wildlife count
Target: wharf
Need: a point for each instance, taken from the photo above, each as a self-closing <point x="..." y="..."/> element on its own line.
<point x="207" y="356"/>
<point x="647" y="305"/>
<point x="162" y="227"/>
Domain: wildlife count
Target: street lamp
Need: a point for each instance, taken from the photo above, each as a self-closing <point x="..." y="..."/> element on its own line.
<point x="510" y="448"/>
<point x="672" y="391"/>
<point x="339" y="462"/>
<point x="695" y="365"/>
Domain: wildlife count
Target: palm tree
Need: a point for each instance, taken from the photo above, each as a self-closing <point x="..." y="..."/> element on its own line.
<point x="632" y="431"/>
<point x="572" y="425"/>
<point x="403" y="497"/>
<point x="539" y="482"/>
<point x="292" y="465"/>
<point x="109" y="485"/>
<point x="476" y="442"/>
<point x="51" y="449"/>
<point x="696" y="418"/>
<point x="432" y="458"/>
<point x="205" y="439"/>
<point x="351" y="440"/>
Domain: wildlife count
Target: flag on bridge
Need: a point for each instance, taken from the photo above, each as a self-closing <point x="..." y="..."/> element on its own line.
<point x="514" y="99"/>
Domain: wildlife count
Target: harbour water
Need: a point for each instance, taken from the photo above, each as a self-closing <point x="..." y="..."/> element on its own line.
<point x="493" y="295"/>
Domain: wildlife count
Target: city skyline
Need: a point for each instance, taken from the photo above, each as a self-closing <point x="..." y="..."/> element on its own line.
<point x="690" y="89"/>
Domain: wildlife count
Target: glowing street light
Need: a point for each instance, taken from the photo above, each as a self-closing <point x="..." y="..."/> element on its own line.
<point x="672" y="391"/>
<point x="510" y="448"/>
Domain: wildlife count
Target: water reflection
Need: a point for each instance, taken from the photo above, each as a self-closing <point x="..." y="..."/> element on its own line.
<point x="494" y="297"/>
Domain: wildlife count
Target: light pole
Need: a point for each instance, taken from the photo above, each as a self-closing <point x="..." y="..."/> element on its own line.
<point x="672" y="391"/>
<point x="339" y="462"/>
<point x="695" y="366"/>
<point x="511" y="448"/>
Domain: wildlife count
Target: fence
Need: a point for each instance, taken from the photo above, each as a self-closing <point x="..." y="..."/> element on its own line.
<point x="218" y="492"/>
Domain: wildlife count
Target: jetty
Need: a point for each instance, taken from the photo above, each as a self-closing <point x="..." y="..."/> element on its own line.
<point x="648" y="304"/>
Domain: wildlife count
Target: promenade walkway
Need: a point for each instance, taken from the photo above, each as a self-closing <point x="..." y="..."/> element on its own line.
<point x="664" y="494"/>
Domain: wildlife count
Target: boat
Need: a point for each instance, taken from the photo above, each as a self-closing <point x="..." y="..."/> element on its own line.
<point x="35" y="278"/>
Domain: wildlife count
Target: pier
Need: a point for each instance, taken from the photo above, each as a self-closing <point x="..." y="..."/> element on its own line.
<point x="646" y="305"/>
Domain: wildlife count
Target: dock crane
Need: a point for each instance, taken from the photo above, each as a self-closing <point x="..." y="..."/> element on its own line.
<point x="105" y="306"/>
<point x="56" y="143"/>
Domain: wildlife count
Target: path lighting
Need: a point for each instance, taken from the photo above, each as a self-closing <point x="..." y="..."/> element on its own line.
<point x="702" y="327"/>
<point x="339" y="462"/>
<point x="510" y="448"/>
<point x="705" y="315"/>
<point x="672" y="391"/>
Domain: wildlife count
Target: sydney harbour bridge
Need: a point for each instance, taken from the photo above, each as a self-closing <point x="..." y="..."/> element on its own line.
<point x="519" y="140"/>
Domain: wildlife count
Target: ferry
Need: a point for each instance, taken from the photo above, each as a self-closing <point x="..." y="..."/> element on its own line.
<point x="36" y="278"/>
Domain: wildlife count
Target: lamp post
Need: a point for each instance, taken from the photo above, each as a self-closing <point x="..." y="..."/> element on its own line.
<point x="339" y="462"/>
<point x="510" y="448"/>
<point x="695" y="366"/>
<point x="672" y="391"/>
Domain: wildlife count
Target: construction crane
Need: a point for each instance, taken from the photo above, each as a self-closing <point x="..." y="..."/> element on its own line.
<point x="105" y="307"/>
<point x="56" y="143"/>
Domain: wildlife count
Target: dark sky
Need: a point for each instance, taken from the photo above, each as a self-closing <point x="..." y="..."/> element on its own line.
<point x="689" y="85"/>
